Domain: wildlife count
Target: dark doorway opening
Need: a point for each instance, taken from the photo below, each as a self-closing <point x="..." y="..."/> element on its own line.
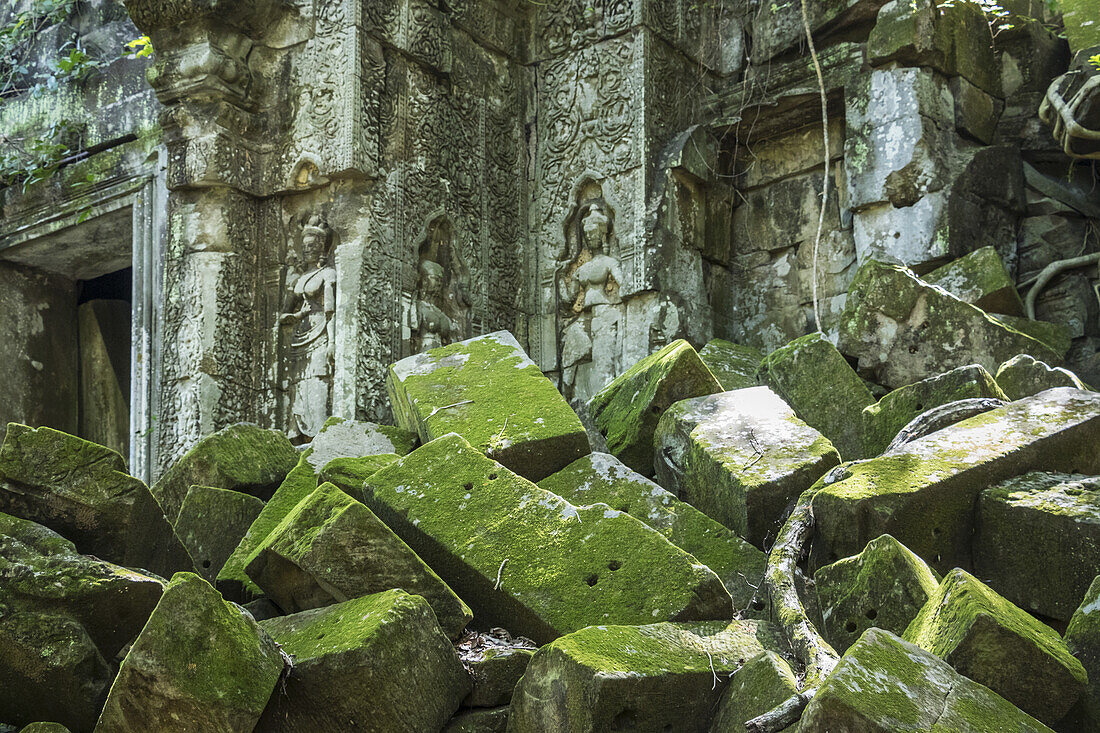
<point x="104" y="306"/>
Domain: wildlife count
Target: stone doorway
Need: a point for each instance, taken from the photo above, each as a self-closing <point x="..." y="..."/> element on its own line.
<point x="104" y="334"/>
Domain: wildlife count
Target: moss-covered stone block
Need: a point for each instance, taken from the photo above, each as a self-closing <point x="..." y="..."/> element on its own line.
<point x="82" y="491"/>
<point x="488" y="390"/>
<point x="740" y="458"/>
<point x="645" y="679"/>
<point x="242" y="457"/>
<point x="200" y="663"/>
<point x="485" y="720"/>
<point x="824" y="391"/>
<point x="377" y="663"/>
<point x="601" y="478"/>
<point x="338" y="438"/>
<point x="331" y="548"/>
<point x="761" y="685"/>
<point x="999" y="645"/>
<point x="925" y="493"/>
<point x="1058" y="337"/>
<point x="1083" y="641"/>
<point x="981" y="279"/>
<point x="885" y="586"/>
<point x="1038" y="540"/>
<point x="495" y="672"/>
<point x="627" y="410"/>
<point x="211" y="524"/>
<point x="886" y="685"/>
<point x="733" y="365"/>
<point x="883" y="420"/>
<point x="1024" y="375"/>
<point x="904" y="330"/>
<point x="528" y="560"/>
<point x="45" y="728"/>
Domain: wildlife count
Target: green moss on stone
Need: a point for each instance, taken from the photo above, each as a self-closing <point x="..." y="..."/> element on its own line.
<point x="1083" y="641"/>
<point x="600" y="478"/>
<point x="760" y="686"/>
<point x="211" y="523"/>
<point x="824" y="391"/>
<point x="488" y="390"/>
<point x="981" y="279"/>
<point x="527" y="559"/>
<point x="1023" y="376"/>
<point x="733" y="365"/>
<point x="627" y="410"/>
<point x="999" y="645"/>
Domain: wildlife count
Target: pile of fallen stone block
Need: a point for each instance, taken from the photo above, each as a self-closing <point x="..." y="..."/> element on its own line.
<point x="479" y="568"/>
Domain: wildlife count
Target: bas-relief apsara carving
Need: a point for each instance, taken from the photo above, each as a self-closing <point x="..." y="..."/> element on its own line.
<point x="439" y="313"/>
<point x="306" y="334"/>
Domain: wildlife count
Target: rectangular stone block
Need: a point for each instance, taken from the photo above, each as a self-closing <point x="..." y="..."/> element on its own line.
<point x="489" y="391"/>
<point x="925" y="493"/>
<point x="981" y="279"/>
<point x="733" y="365"/>
<point x="740" y="458"/>
<point x="526" y="559"/>
<point x="1038" y="540"/>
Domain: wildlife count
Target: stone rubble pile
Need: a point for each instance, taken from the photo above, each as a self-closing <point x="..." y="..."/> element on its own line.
<point x="481" y="569"/>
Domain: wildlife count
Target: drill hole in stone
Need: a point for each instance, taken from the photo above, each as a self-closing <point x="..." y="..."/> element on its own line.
<point x="871" y="614"/>
<point x="492" y="477"/>
<point x="613" y="565"/>
<point x="592" y="580"/>
<point x="206" y="564"/>
<point x="850" y="627"/>
<point x="469" y="486"/>
<point x="757" y="605"/>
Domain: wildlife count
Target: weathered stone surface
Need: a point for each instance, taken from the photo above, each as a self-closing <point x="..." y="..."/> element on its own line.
<point x="200" y="663"/>
<point x="485" y="720"/>
<point x="627" y="410"/>
<point x="903" y="330"/>
<point x="45" y="728"/>
<point x="601" y="478"/>
<point x="884" y="587"/>
<point x="1083" y="641"/>
<point x="981" y="279"/>
<point x="378" y="663"/>
<point x="733" y="365"/>
<point x="883" y="420"/>
<point x="886" y="685"/>
<point x="924" y="493"/>
<point x="740" y="458"/>
<point x="495" y="662"/>
<point x="532" y="561"/>
<point x="211" y="524"/>
<point x="1024" y="375"/>
<point x="976" y="112"/>
<point x="339" y="438"/>
<point x="761" y="685"/>
<point x="489" y="391"/>
<point x="331" y="548"/>
<point x="638" y="678"/>
<point x="996" y="644"/>
<point x="1056" y="336"/>
<point x="817" y="382"/>
<point x="82" y="491"/>
<point x="241" y="457"/>
<point x="1038" y="540"/>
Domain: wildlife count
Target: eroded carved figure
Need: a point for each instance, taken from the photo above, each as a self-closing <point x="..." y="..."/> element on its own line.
<point x="440" y="312"/>
<point x="306" y="334"/>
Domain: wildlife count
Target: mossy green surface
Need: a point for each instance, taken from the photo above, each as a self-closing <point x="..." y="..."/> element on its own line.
<point x="886" y="685"/>
<point x="980" y="278"/>
<point x="200" y="663"/>
<point x="211" y="523"/>
<point x="528" y="560"/>
<point x="1057" y="337"/>
<point x="81" y="491"/>
<point x="1038" y="541"/>
<point x="733" y="365"/>
<point x="741" y="458"/>
<point x="378" y="663"/>
<point x="640" y="678"/>
<point x="925" y="493"/>
<point x="45" y="728"/>
<point x="242" y="457"/>
<point x="823" y="390"/>
<point x="904" y="330"/>
<point x="986" y="638"/>
<point x="600" y="478"/>
<point x="627" y="410"/>
<point x="883" y="420"/>
<point x="885" y="586"/>
<point x="1083" y="641"/>
<point x="1023" y="375"/>
<point x="488" y="390"/>
<point x="495" y="674"/>
<point x="331" y="548"/>
<point x="232" y="580"/>
<point x="484" y="720"/>
<point x="761" y="685"/>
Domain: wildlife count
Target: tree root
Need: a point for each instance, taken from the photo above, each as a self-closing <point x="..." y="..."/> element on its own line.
<point x="1050" y="272"/>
